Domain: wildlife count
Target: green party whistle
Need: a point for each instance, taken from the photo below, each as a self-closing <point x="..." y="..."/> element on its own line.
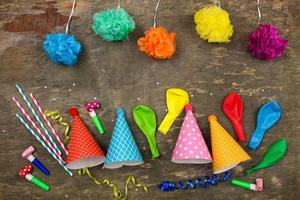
<point x="258" y="187"/>
<point x="145" y="118"/>
<point x="274" y="154"/>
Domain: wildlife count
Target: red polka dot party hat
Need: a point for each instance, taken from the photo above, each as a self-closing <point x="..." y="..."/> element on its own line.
<point x="83" y="149"/>
<point x="190" y="146"/>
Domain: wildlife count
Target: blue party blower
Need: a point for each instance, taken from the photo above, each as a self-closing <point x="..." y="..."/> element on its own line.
<point x="268" y="115"/>
<point x="28" y="155"/>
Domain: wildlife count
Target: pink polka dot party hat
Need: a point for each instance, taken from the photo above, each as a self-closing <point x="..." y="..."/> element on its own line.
<point x="190" y="147"/>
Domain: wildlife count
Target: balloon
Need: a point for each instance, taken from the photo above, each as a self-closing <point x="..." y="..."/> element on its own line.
<point x="233" y="108"/>
<point x="268" y="116"/>
<point x="176" y="100"/>
<point x="145" y="118"/>
<point x="274" y="154"/>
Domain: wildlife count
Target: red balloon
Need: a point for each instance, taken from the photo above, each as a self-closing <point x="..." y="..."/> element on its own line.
<point x="233" y="108"/>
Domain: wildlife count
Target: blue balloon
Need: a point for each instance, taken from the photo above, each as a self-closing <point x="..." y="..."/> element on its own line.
<point x="268" y="115"/>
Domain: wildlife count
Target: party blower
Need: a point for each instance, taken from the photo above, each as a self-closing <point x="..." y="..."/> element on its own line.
<point x="176" y="100"/>
<point x="268" y="115"/>
<point x="90" y="107"/>
<point x="145" y="118"/>
<point x="28" y="155"/>
<point x="25" y="173"/>
<point x="233" y="108"/>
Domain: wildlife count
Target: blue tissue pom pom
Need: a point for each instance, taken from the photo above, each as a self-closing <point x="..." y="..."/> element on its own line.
<point x="62" y="48"/>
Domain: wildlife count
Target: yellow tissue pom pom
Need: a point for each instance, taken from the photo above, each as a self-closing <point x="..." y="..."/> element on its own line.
<point x="213" y="24"/>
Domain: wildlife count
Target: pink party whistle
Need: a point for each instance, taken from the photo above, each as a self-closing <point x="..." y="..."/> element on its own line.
<point x="90" y="107"/>
<point x="28" y="155"/>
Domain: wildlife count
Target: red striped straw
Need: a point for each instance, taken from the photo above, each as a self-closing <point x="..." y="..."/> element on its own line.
<point x="37" y="129"/>
<point x="36" y="103"/>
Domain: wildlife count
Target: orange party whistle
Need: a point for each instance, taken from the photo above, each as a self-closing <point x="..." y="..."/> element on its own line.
<point x="176" y="100"/>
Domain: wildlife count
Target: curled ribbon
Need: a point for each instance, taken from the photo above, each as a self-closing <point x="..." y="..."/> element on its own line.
<point x="117" y="193"/>
<point x="203" y="183"/>
<point x="57" y="117"/>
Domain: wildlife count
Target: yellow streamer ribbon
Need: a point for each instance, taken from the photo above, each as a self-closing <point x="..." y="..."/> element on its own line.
<point x="57" y="117"/>
<point x="117" y="193"/>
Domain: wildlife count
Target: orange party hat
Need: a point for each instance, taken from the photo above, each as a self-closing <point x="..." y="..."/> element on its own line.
<point x="83" y="149"/>
<point x="226" y="152"/>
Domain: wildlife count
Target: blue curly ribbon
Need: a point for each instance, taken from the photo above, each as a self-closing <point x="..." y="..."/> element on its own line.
<point x="207" y="180"/>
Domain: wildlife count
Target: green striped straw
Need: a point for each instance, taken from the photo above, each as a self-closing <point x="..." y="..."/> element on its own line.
<point x="37" y="118"/>
<point x="44" y="145"/>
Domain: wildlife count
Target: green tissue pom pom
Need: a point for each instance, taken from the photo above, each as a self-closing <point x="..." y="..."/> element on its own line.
<point x="113" y="24"/>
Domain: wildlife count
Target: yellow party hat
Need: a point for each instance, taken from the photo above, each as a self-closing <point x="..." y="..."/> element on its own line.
<point x="226" y="152"/>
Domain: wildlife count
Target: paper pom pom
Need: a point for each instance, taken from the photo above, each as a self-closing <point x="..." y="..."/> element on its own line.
<point x="158" y="43"/>
<point x="213" y="24"/>
<point x="62" y="48"/>
<point x="113" y="24"/>
<point x="266" y="43"/>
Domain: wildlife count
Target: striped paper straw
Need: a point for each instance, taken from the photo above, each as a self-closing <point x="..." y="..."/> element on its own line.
<point x="36" y="128"/>
<point x="37" y="104"/>
<point x="44" y="145"/>
<point x="37" y="117"/>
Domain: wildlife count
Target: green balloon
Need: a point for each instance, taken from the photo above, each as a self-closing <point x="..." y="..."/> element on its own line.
<point x="145" y="118"/>
<point x="274" y="154"/>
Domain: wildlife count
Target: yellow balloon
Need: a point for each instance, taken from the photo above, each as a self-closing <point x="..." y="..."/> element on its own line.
<point x="176" y="100"/>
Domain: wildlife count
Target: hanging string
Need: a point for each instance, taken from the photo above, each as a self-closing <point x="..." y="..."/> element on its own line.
<point x="217" y="2"/>
<point x="70" y="17"/>
<point x="117" y="192"/>
<point x="119" y="4"/>
<point x="258" y="11"/>
<point x="155" y="14"/>
<point x="57" y="117"/>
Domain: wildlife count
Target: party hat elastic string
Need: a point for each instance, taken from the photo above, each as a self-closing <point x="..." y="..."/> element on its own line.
<point x="70" y="17"/>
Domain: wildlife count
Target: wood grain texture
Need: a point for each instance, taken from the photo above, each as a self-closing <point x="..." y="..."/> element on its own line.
<point x="119" y="75"/>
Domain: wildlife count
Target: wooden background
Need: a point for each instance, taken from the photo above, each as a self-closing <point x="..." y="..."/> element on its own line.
<point x="118" y="74"/>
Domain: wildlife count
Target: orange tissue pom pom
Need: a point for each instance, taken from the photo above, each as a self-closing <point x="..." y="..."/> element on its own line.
<point x="158" y="43"/>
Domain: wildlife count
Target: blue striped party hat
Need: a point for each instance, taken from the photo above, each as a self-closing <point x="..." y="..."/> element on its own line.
<point x="122" y="149"/>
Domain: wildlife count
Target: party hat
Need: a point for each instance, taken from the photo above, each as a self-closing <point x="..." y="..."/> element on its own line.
<point x="122" y="148"/>
<point x="83" y="149"/>
<point x="190" y="146"/>
<point x="226" y="152"/>
<point x="176" y="100"/>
